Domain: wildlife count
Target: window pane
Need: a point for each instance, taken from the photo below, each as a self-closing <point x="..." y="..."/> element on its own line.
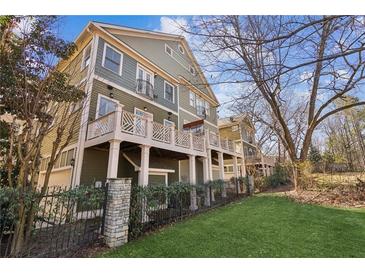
<point x="169" y="92"/>
<point x="63" y="159"/>
<point x="192" y="98"/>
<point x="70" y="155"/>
<point x="112" y="60"/>
<point x="105" y="106"/>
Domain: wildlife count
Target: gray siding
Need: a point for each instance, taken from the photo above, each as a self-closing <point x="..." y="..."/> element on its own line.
<point x="128" y="78"/>
<point x="185" y="104"/>
<point x="154" y="50"/>
<point x="129" y="101"/>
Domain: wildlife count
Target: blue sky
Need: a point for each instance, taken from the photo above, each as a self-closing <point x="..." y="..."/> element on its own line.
<point x="73" y="25"/>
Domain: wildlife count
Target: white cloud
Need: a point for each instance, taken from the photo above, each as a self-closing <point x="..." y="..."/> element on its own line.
<point x="173" y="25"/>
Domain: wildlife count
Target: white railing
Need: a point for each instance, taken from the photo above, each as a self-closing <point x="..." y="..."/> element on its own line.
<point x="213" y="139"/>
<point x="224" y="144"/>
<point x="161" y="133"/>
<point x="182" y="139"/>
<point x="134" y="124"/>
<point x="230" y="145"/>
<point x="101" y="126"/>
<point x="198" y="143"/>
<point x="144" y="127"/>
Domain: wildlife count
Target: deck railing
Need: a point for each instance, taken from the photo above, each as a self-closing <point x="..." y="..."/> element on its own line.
<point x="101" y="126"/>
<point x="144" y="127"/>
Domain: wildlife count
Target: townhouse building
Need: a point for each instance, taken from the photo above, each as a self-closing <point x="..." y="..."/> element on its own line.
<point x="149" y="113"/>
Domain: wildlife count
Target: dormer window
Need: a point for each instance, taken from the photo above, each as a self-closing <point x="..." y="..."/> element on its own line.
<point x="168" y="50"/>
<point x="192" y="70"/>
<point x="181" y="49"/>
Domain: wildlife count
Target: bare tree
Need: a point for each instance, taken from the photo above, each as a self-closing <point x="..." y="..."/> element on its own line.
<point x="290" y="69"/>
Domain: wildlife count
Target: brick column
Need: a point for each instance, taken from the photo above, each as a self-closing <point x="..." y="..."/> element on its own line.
<point x="117" y="212"/>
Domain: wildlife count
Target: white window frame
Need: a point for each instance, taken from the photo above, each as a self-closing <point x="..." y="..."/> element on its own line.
<point x="98" y="103"/>
<point x="235" y="128"/>
<point x="139" y="66"/>
<point x="121" y="59"/>
<point x="83" y="66"/>
<point x="181" y="49"/>
<point x="145" y="112"/>
<point x="173" y="91"/>
<point x="166" y="122"/>
<point x="192" y="68"/>
<point x="190" y="94"/>
<point x="168" y="47"/>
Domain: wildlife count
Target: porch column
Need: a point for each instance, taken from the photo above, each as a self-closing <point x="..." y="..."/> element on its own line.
<point x="210" y="195"/>
<point x="145" y="162"/>
<point x="243" y="167"/>
<point x="235" y="173"/>
<point x="206" y="179"/>
<point x="192" y="179"/>
<point x="221" y="172"/>
<point x="113" y="160"/>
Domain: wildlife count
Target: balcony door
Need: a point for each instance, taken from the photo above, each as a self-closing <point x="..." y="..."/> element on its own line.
<point x="144" y="81"/>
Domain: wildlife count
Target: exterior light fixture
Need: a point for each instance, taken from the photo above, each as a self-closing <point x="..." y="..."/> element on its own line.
<point x="72" y="162"/>
<point x="145" y="108"/>
<point x="169" y="116"/>
<point x="111" y="95"/>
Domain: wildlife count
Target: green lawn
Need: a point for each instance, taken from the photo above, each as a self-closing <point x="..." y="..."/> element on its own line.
<point x="262" y="226"/>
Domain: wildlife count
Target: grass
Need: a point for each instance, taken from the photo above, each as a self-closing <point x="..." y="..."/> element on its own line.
<point x="262" y="226"/>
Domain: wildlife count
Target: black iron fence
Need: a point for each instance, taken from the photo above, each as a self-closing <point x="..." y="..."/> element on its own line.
<point x="53" y="223"/>
<point x="153" y="207"/>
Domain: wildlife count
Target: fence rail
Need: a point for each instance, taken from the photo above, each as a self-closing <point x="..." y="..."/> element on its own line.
<point x="64" y="220"/>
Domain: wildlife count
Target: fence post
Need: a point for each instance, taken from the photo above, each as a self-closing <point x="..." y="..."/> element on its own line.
<point x="117" y="212"/>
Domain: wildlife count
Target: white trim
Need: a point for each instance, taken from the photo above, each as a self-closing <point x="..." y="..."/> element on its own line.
<point x="181" y="49"/>
<point x="168" y="47"/>
<point x="168" y="121"/>
<point x="98" y="103"/>
<point x="173" y="91"/>
<point x="121" y="58"/>
<point x="196" y="116"/>
<point x="133" y="93"/>
<point x="161" y="170"/>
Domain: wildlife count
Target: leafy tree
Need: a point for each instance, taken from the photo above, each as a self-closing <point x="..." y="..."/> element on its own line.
<point x="35" y="98"/>
<point x="314" y="155"/>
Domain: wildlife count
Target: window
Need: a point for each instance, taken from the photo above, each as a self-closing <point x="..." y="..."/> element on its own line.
<point x="168" y="50"/>
<point x="169" y="92"/>
<point x="86" y="56"/>
<point x="63" y="161"/>
<point x="192" y="98"/>
<point x="207" y="108"/>
<point x="235" y="128"/>
<point x="181" y="49"/>
<point x="200" y="106"/>
<point x="112" y="59"/>
<point x="168" y="123"/>
<point x="192" y="70"/>
<point x="144" y="81"/>
<point x="105" y="106"/>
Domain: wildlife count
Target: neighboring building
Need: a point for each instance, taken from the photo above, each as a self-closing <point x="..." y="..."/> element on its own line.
<point x="150" y="113"/>
<point x="241" y="130"/>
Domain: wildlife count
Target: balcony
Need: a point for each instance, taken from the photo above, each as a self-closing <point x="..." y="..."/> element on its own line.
<point x="215" y="141"/>
<point x="126" y="126"/>
<point x="144" y="88"/>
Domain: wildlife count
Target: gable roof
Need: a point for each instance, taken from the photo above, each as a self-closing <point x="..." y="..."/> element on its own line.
<point x="122" y="30"/>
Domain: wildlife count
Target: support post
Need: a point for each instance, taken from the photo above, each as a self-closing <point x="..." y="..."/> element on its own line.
<point x="113" y="158"/>
<point x="145" y="162"/>
<point x="235" y="173"/>
<point x="117" y="212"/>
<point x="192" y="179"/>
<point x="221" y="172"/>
<point x="206" y="179"/>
